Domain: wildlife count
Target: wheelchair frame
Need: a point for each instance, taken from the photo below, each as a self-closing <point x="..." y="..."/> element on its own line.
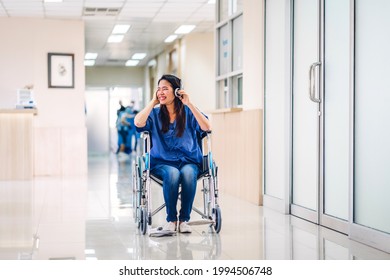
<point x="142" y="195"/>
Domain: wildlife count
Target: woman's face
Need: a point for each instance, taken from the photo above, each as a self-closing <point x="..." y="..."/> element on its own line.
<point x="165" y="93"/>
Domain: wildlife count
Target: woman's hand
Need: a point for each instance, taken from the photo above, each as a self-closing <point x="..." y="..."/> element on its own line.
<point x="184" y="97"/>
<point x="155" y="99"/>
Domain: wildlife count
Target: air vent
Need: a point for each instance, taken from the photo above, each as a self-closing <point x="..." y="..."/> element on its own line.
<point x="101" y="12"/>
<point x="115" y="61"/>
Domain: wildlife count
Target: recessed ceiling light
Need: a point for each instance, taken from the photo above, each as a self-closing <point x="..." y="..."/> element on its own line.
<point x="184" y="29"/>
<point x="152" y="63"/>
<point x="89" y="55"/>
<point x="120" y="28"/>
<point x="170" y="38"/>
<point x="132" y="62"/>
<point x="115" y="38"/>
<point x="52" y="1"/>
<point x="138" y="56"/>
<point x="89" y="62"/>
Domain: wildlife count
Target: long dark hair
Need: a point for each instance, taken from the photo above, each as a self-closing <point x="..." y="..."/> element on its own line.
<point x="178" y="105"/>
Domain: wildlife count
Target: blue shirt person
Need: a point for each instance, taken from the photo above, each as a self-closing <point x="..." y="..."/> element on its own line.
<point x="175" y="154"/>
<point x="128" y="122"/>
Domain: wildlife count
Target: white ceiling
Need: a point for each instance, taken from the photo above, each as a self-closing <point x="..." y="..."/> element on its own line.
<point x="151" y="22"/>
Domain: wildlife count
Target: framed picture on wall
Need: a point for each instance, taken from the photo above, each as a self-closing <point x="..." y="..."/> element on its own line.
<point x="61" y="70"/>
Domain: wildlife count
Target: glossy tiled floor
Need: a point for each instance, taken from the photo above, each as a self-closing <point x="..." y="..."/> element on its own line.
<point x="91" y="218"/>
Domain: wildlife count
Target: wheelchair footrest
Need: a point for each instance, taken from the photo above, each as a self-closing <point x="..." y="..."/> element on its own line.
<point x="200" y="222"/>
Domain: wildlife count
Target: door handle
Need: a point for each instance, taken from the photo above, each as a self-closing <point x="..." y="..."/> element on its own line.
<point x="312" y="83"/>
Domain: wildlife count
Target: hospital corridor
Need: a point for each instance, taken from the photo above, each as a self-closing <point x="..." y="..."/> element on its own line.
<point x="293" y="95"/>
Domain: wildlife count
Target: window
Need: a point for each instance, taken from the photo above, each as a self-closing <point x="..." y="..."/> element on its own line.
<point x="229" y="31"/>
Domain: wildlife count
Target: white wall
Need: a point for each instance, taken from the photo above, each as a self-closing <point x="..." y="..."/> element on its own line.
<point x="253" y="48"/>
<point x="198" y="69"/>
<point x="59" y="134"/>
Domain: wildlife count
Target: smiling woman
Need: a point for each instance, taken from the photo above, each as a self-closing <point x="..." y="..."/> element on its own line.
<point x="175" y="157"/>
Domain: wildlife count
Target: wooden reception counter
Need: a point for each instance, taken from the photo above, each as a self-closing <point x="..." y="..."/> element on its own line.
<point x="16" y="144"/>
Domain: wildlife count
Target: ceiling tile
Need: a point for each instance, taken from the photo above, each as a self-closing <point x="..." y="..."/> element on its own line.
<point x="7" y="2"/>
<point x="106" y="4"/>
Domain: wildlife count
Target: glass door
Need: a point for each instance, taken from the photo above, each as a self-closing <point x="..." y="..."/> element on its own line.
<point x="371" y="181"/>
<point x="306" y="110"/>
<point x="321" y="83"/>
<point x="335" y="117"/>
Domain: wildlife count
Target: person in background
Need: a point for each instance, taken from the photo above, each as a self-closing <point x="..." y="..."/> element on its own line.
<point x="128" y="122"/>
<point x="120" y="129"/>
<point x="137" y="134"/>
<point x="175" y="156"/>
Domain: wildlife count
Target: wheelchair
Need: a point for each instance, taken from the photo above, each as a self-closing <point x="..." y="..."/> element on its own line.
<point x="142" y="178"/>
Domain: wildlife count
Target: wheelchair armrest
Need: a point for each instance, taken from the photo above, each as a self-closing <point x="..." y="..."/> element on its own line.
<point x="202" y="136"/>
<point x="145" y="135"/>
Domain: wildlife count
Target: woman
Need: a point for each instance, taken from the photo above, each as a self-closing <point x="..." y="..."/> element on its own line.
<point x="175" y="156"/>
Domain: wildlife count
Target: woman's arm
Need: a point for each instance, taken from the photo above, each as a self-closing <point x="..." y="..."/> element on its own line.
<point x="141" y="118"/>
<point x="203" y="122"/>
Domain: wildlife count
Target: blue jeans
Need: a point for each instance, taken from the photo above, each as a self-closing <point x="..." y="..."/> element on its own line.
<point x="172" y="177"/>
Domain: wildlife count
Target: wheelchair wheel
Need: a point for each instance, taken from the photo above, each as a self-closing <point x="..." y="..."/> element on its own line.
<point x="217" y="219"/>
<point x="143" y="221"/>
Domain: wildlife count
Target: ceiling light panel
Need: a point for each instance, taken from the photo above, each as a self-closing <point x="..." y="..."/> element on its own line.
<point x="115" y="38"/>
<point x="90" y="55"/>
<point x="120" y="28"/>
<point x="139" y="56"/>
<point x="89" y="62"/>
<point x="185" y="29"/>
<point x="132" y="62"/>
<point x="170" y="38"/>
